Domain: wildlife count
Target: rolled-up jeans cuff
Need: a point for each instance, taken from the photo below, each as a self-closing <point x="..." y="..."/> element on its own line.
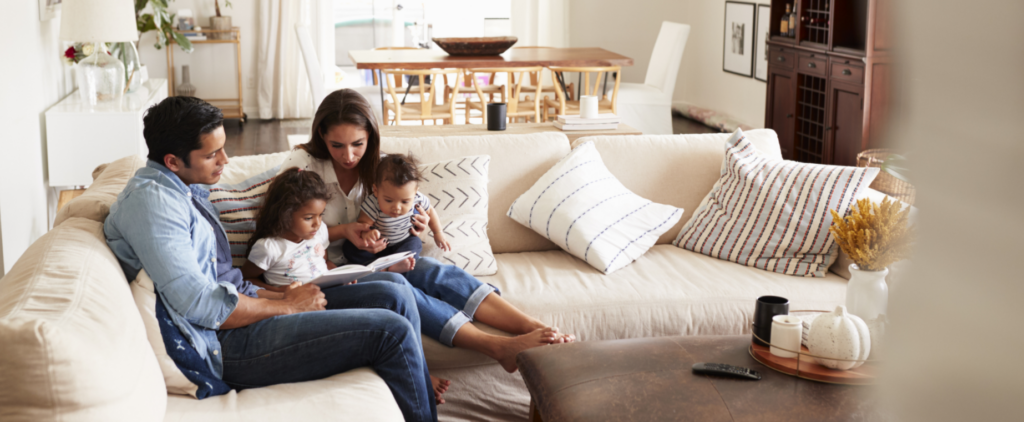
<point x="476" y="298"/>
<point x="452" y="326"/>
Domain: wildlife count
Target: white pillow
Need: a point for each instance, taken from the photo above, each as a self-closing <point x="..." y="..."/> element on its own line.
<point x="581" y="207"/>
<point x="457" y="190"/>
<point x="773" y="214"/>
<point x="145" y="300"/>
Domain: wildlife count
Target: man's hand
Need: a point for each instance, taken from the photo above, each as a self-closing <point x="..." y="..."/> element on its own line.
<point x="419" y="221"/>
<point x="304" y="298"/>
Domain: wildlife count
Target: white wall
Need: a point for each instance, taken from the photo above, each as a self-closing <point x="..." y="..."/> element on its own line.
<point x="33" y="79"/>
<point x="212" y="66"/>
<point x="632" y="28"/>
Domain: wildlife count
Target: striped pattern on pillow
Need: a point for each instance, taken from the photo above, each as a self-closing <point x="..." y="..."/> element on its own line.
<point x="237" y="205"/>
<point x="581" y="207"/>
<point x="773" y="214"/>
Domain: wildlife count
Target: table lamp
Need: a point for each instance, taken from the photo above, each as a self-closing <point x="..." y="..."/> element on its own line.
<point x="100" y="77"/>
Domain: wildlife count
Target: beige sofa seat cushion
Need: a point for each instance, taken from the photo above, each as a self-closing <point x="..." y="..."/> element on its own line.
<point x="108" y="182"/>
<point x="677" y="170"/>
<point x="517" y="161"/>
<point x="356" y="395"/>
<point x="667" y="292"/>
<point x="72" y="346"/>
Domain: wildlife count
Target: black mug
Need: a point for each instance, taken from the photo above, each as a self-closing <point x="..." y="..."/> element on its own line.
<point x="767" y="308"/>
<point x="496" y="116"/>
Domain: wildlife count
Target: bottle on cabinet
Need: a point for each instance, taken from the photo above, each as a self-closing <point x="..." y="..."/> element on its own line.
<point x="784" y="28"/>
<point x="792" y="22"/>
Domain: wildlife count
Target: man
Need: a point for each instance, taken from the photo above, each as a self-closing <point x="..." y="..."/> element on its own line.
<point x="163" y="222"/>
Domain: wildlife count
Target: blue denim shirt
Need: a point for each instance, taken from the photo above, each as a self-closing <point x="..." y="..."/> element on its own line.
<point x="157" y="224"/>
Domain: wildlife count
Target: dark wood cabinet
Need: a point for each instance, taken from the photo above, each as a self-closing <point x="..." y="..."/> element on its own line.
<point x="828" y="85"/>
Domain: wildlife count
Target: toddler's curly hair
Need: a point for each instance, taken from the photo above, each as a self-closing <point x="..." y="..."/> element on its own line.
<point x="288" y="192"/>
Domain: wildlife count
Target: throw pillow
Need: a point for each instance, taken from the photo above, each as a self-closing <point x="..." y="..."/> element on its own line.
<point x="584" y="209"/>
<point x="773" y="214"/>
<point x="458" y="192"/>
<point x="184" y="371"/>
<point x="237" y="205"/>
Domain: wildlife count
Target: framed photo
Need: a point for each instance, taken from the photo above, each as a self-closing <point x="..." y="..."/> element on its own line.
<point x="764" y="26"/>
<point x="738" y="48"/>
<point x="49" y="9"/>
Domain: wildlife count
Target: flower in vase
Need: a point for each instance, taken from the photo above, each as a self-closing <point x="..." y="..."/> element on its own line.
<point x="69" y="55"/>
<point x="87" y="50"/>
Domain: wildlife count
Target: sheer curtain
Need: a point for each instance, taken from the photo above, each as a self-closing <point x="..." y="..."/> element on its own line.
<point x="282" y="85"/>
<point x="543" y="23"/>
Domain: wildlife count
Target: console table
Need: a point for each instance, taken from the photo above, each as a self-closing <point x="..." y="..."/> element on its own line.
<point x="80" y="137"/>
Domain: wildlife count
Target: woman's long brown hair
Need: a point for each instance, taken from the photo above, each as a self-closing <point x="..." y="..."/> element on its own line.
<point x="288" y="192"/>
<point x="346" y="106"/>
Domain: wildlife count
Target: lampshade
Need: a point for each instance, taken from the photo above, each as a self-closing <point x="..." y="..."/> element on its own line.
<point x="98" y="21"/>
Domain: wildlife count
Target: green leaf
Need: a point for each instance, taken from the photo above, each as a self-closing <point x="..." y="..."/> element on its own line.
<point x="159" y="3"/>
<point x="140" y="4"/>
<point x="183" y="41"/>
<point x="146" y="24"/>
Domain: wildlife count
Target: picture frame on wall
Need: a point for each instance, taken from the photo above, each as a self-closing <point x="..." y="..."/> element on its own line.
<point x="49" y="9"/>
<point x="762" y="29"/>
<point x="738" y="46"/>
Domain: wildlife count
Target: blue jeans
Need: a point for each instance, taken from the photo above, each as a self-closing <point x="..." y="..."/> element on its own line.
<point x="372" y="323"/>
<point x="446" y="296"/>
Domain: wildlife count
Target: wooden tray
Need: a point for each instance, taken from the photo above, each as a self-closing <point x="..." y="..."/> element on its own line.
<point x="485" y="46"/>
<point x="803" y="366"/>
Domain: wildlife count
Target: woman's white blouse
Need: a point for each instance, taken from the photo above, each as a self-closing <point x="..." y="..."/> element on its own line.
<point x="342" y="208"/>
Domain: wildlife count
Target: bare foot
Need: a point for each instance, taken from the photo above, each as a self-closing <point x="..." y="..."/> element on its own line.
<point x="564" y="338"/>
<point x="403" y="266"/>
<point x="440" y="387"/>
<point x="509" y="347"/>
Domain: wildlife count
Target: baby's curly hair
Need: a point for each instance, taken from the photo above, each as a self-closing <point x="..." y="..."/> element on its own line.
<point x="288" y="192"/>
<point x="398" y="169"/>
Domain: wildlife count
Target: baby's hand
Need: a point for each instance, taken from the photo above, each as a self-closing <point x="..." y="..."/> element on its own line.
<point x="371" y="235"/>
<point x="442" y="243"/>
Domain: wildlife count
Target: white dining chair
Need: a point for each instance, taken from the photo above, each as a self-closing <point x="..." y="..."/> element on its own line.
<point x="316" y="77"/>
<point x="648" y="106"/>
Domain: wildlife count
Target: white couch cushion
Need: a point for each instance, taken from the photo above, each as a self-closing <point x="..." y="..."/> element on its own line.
<point x="667" y="292"/>
<point x="581" y="207"/>
<point x="356" y="395"/>
<point x="517" y="161"/>
<point x="677" y="170"/>
<point x="72" y="346"/>
<point x="108" y="182"/>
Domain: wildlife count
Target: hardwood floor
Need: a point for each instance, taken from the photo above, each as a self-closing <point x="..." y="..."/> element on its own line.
<point x="270" y="136"/>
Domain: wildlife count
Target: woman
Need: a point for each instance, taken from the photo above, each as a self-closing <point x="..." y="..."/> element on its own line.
<point x="344" y="150"/>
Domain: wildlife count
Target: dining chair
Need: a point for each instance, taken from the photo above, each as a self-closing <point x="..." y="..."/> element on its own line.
<point x="426" y="108"/>
<point x="514" y="109"/>
<point x="399" y="82"/>
<point x="539" y="78"/>
<point x="565" y="106"/>
<point x="648" y="106"/>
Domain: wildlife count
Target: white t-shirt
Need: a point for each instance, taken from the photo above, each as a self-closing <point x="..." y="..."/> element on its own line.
<point x="285" y="261"/>
<point x="342" y="208"/>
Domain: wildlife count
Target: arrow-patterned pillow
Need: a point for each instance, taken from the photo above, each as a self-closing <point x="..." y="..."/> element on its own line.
<point x="458" y="191"/>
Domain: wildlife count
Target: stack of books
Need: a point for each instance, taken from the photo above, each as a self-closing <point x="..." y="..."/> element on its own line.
<point x="601" y="122"/>
<point x="194" y="36"/>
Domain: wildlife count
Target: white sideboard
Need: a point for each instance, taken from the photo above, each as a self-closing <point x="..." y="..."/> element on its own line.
<point x="80" y="137"/>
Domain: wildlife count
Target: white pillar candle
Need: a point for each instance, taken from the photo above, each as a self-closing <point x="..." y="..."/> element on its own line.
<point x="786" y="333"/>
<point x="588" y="106"/>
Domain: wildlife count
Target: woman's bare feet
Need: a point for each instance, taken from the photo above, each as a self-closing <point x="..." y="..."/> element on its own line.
<point x="440" y="387"/>
<point x="508" y="347"/>
<point x="403" y="266"/>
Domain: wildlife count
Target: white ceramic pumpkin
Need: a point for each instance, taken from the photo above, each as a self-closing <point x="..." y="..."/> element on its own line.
<point x="839" y="335"/>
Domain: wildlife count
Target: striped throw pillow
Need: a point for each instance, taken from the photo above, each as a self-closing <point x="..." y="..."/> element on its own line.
<point x="581" y="207"/>
<point x="237" y="205"/>
<point x="773" y="214"/>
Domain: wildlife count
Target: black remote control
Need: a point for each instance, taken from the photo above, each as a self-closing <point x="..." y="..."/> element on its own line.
<point x="722" y="369"/>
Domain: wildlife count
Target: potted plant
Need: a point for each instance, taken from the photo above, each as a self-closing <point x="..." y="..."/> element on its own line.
<point x="160" y="21"/>
<point x="220" y="22"/>
<point x="874" y="236"/>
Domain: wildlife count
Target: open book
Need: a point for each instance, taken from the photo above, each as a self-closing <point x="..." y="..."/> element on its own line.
<point x="347" y="273"/>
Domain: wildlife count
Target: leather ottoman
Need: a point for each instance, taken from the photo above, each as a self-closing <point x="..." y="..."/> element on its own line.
<point x="650" y="379"/>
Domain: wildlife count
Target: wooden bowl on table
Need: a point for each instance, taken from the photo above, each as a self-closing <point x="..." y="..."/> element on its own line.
<point x="482" y="46"/>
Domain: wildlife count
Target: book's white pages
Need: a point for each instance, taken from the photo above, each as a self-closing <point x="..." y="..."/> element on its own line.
<point x="348" y="273"/>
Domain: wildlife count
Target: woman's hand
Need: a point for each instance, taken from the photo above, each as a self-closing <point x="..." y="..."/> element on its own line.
<point x="354" y="233"/>
<point x="419" y="222"/>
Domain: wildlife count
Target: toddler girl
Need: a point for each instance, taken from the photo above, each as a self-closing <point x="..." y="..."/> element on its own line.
<point x="389" y="211"/>
<point x="290" y="242"/>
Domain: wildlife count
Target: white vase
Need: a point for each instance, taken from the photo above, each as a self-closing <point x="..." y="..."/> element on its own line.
<point x="867" y="294"/>
<point x="100" y="77"/>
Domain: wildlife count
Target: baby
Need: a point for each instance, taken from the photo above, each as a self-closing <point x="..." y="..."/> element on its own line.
<point x="389" y="211"/>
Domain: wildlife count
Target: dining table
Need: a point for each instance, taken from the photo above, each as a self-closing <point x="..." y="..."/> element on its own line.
<point x="379" y="60"/>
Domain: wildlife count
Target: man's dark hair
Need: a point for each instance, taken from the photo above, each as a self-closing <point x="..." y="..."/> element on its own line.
<point x="398" y="169"/>
<point x="176" y="125"/>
